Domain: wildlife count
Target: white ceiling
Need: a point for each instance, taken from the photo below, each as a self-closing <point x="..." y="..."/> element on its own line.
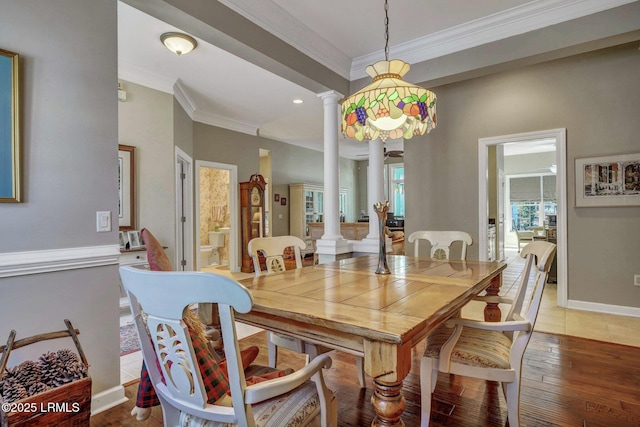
<point x="221" y="89"/>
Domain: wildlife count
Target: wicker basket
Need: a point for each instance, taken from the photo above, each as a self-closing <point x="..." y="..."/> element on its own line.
<point x="64" y="406"/>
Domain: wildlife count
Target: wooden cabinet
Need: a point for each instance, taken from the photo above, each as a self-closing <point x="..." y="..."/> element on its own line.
<point x="307" y="206"/>
<point x="252" y="215"/>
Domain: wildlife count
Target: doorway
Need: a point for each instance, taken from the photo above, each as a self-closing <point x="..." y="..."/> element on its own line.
<point x="519" y="140"/>
<point x="216" y="240"/>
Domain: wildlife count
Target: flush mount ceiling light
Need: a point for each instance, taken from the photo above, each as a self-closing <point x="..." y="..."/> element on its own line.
<point x="178" y="43"/>
<point x="388" y="107"/>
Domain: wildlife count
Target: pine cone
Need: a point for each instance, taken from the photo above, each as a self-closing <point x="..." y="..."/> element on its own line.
<point x="77" y="370"/>
<point x="3" y="377"/>
<point x="72" y="364"/>
<point x="8" y="373"/>
<point x="37" y="388"/>
<point x="52" y="369"/>
<point x="65" y="355"/>
<point x="13" y="390"/>
<point x="27" y="373"/>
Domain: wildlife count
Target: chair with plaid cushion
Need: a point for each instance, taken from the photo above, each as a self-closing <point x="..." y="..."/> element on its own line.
<point x="272" y="250"/>
<point x="192" y="388"/>
<point x="490" y="350"/>
<point x="441" y="242"/>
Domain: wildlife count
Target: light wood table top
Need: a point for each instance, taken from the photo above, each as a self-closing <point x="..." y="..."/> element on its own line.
<point x="346" y="306"/>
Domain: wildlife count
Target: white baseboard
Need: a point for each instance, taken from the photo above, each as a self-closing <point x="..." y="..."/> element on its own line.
<point x="604" y="308"/>
<point x="107" y="399"/>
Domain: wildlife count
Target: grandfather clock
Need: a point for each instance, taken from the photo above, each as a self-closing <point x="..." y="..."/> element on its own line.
<point x="251" y="215"/>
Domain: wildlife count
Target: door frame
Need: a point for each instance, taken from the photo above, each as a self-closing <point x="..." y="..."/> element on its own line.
<point x="184" y="200"/>
<point x="234" y="265"/>
<point x="561" y="192"/>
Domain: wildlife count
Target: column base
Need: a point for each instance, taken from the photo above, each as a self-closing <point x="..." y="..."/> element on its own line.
<point x="332" y="249"/>
<point x="370" y="245"/>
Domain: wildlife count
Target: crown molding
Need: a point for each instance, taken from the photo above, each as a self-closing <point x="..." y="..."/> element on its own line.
<point x="213" y="119"/>
<point x="184" y="98"/>
<point x="137" y="75"/>
<point x="199" y="115"/>
<point x="277" y="21"/>
<point x="518" y="20"/>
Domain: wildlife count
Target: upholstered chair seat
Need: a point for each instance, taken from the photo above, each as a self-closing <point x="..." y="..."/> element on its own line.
<point x="490" y="351"/>
<point x="475" y="347"/>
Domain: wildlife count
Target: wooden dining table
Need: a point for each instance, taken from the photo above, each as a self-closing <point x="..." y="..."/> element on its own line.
<point x="345" y="305"/>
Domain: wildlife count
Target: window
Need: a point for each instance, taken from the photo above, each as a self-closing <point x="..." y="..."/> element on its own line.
<point x="531" y="199"/>
<point x="396" y="189"/>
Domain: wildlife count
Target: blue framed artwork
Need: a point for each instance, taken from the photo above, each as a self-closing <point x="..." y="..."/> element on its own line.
<point x="9" y="128"/>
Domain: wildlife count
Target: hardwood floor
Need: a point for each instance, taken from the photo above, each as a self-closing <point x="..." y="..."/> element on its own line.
<point x="568" y="381"/>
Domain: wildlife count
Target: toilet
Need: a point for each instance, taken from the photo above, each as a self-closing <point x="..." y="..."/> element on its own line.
<point x="209" y="254"/>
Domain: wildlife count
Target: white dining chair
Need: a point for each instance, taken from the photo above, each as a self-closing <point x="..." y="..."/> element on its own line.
<point x="273" y="250"/>
<point x="492" y="351"/>
<point x="175" y="358"/>
<point x="441" y="242"/>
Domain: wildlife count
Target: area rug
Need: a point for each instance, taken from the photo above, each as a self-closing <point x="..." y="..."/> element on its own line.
<point x="128" y="339"/>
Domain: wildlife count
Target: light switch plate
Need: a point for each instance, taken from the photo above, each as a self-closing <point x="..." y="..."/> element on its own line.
<point x="103" y="221"/>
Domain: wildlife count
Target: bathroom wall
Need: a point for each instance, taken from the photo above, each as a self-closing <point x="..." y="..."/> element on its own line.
<point x="214" y="204"/>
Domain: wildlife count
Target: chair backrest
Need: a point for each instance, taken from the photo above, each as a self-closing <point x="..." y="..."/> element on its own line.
<point x="161" y="298"/>
<point x="273" y="249"/>
<point x="540" y="254"/>
<point x="441" y="242"/>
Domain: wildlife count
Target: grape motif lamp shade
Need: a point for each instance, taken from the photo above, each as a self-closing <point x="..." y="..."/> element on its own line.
<point x="388" y="107"/>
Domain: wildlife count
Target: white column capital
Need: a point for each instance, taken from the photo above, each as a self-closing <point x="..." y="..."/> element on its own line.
<point x="330" y="95"/>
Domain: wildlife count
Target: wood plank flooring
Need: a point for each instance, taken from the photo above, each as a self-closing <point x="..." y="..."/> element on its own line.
<point x="568" y="381"/>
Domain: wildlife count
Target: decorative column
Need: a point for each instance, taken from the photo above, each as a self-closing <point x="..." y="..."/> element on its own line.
<point x="375" y="184"/>
<point x="375" y="194"/>
<point x="332" y="243"/>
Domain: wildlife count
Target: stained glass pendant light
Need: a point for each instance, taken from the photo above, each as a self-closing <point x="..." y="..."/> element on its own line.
<point x="388" y="107"/>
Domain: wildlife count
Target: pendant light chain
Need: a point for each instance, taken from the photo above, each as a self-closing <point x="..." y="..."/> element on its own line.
<point x="386" y="30"/>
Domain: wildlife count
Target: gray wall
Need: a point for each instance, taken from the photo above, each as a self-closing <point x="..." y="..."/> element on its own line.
<point x="68" y="60"/>
<point x="594" y="96"/>
<point x="145" y="121"/>
<point x="182" y="129"/>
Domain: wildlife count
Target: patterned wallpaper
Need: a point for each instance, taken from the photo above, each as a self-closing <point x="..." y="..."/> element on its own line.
<point x="214" y="204"/>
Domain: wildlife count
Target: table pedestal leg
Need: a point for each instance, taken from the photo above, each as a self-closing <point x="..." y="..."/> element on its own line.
<point x="492" y="312"/>
<point x="388" y="404"/>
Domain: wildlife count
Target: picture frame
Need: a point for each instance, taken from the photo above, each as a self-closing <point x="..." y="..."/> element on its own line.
<point x="276" y="197"/>
<point x="134" y="239"/>
<point x="10" y="155"/>
<point x="283" y="201"/>
<point x="608" y="181"/>
<point x="123" y="239"/>
<point x="126" y="187"/>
